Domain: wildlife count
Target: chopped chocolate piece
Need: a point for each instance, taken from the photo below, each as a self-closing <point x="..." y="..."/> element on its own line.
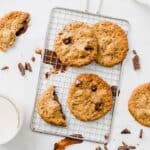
<point x="67" y="40"/>
<point x="124" y="144"/>
<point x="28" y="67"/>
<point x="106" y="136"/>
<point x="123" y="147"/>
<point x="33" y="59"/>
<point x="98" y="106"/>
<point x="114" y="90"/>
<point x="21" y="69"/>
<point x="98" y="148"/>
<point x="46" y="75"/>
<point x="118" y="92"/>
<point x="105" y="147"/>
<point x="141" y="134"/>
<point x="88" y="48"/>
<point x="125" y="131"/>
<point x="62" y="144"/>
<point x="5" y="68"/>
<point x="50" y="57"/>
<point x="136" y="62"/>
<point x="93" y="88"/>
<point x="78" y="83"/>
<point x="134" y="52"/>
<point x="131" y="147"/>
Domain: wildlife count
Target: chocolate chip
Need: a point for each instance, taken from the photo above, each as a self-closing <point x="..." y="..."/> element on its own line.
<point x="141" y="134"/>
<point x="21" y="69"/>
<point x="78" y="83"/>
<point x="98" y="106"/>
<point x="98" y="148"/>
<point x="114" y="90"/>
<point x="88" y="48"/>
<point x="67" y="40"/>
<point x="93" y="88"/>
<point x="125" y="131"/>
<point x="5" y="68"/>
<point x="136" y="62"/>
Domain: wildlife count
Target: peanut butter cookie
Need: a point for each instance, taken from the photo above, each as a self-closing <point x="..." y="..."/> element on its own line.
<point x="112" y="43"/>
<point x="50" y="109"/>
<point x="139" y="104"/>
<point x="76" y="44"/>
<point x="89" y="97"/>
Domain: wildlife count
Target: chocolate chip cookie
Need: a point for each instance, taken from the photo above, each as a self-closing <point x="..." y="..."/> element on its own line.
<point x="76" y="44"/>
<point x="112" y="43"/>
<point x="139" y="104"/>
<point x="89" y="97"/>
<point x="50" y="109"/>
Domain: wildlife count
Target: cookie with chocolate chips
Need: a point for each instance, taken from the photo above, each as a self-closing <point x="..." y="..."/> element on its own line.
<point x="89" y="97"/>
<point x="112" y="43"/>
<point x="76" y="44"/>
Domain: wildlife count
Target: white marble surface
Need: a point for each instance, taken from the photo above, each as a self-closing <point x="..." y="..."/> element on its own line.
<point x="22" y="90"/>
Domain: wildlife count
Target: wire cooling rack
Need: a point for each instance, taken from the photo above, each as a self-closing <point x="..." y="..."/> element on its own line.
<point x="91" y="131"/>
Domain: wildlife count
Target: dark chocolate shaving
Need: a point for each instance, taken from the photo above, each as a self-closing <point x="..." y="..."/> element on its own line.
<point x="21" y="69"/>
<point x="125" y="131"/>
<point x="5" y="68"/>
<point x="124" y="146"/>
<point x="28" y="67"/>
<point x="136" y="61"/>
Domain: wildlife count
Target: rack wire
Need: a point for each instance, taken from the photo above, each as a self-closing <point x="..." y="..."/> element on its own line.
<point x="91" y="131"/>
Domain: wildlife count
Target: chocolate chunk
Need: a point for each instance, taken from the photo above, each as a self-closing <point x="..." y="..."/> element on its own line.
<point x="33" y="59"/>
<point x="23" y="29"/>
<point x="98" y="148"/>
<point x="118" y="92"/>
<point x="5" y="68"/>
<point x="141" y="134"/>
<point x="106" y="136"/>
<point x="94" y="88"/>
<point x="67" y="40"/>
<point x="125" y="131"/>
<point x="88" y="48"/>
<point x="21" y="69"/>
<point x="114" y="90"/>
<point x="123" y="148"/>
<point x="98" y="106"/>
<point x="136" y="62"/>
<point x="28" y="67"/>
<point x="78" y="83"/>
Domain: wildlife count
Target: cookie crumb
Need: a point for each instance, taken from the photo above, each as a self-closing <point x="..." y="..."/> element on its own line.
<point x="38" y="51"/>
<point x="21" y="69"/>
<point x="141" y="134"/>
<point x="5" y="68"/>
<point x="125" y="131"/>
<point x="136" y="61"/>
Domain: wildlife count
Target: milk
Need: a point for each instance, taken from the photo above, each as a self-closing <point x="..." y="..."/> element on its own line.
<point x="147" y="2"/>
<point x="9" y="120"/>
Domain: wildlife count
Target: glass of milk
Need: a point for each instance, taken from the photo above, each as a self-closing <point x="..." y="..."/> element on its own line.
<point x="11" y="118"/>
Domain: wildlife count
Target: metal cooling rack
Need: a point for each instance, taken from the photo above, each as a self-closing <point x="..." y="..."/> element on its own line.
<point x="91" y="131"/>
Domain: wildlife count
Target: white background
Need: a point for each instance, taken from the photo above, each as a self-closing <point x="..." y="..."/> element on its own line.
<point x="22" y="89"/>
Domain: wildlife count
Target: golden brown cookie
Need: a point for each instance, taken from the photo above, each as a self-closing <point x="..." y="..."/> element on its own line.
<point x="50" y="109"/>
<point x="76" y="44"/>
<point x="139" y="104"/>
<point x="89" y="97"/>
<point x="112" y="43"/>
<point x="16" y="21"/>
<point x="7" y="39"/>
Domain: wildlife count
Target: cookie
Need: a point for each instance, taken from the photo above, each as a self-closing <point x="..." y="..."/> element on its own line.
<point x="7" y="39"/>
<point x="50" y="109"/>
<point x="112" y="43"/>
<point x="16" y="21"/>
<point x="139" y="104"/>
<point x="76" y="44"/>
<point x="89" y="97"/>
